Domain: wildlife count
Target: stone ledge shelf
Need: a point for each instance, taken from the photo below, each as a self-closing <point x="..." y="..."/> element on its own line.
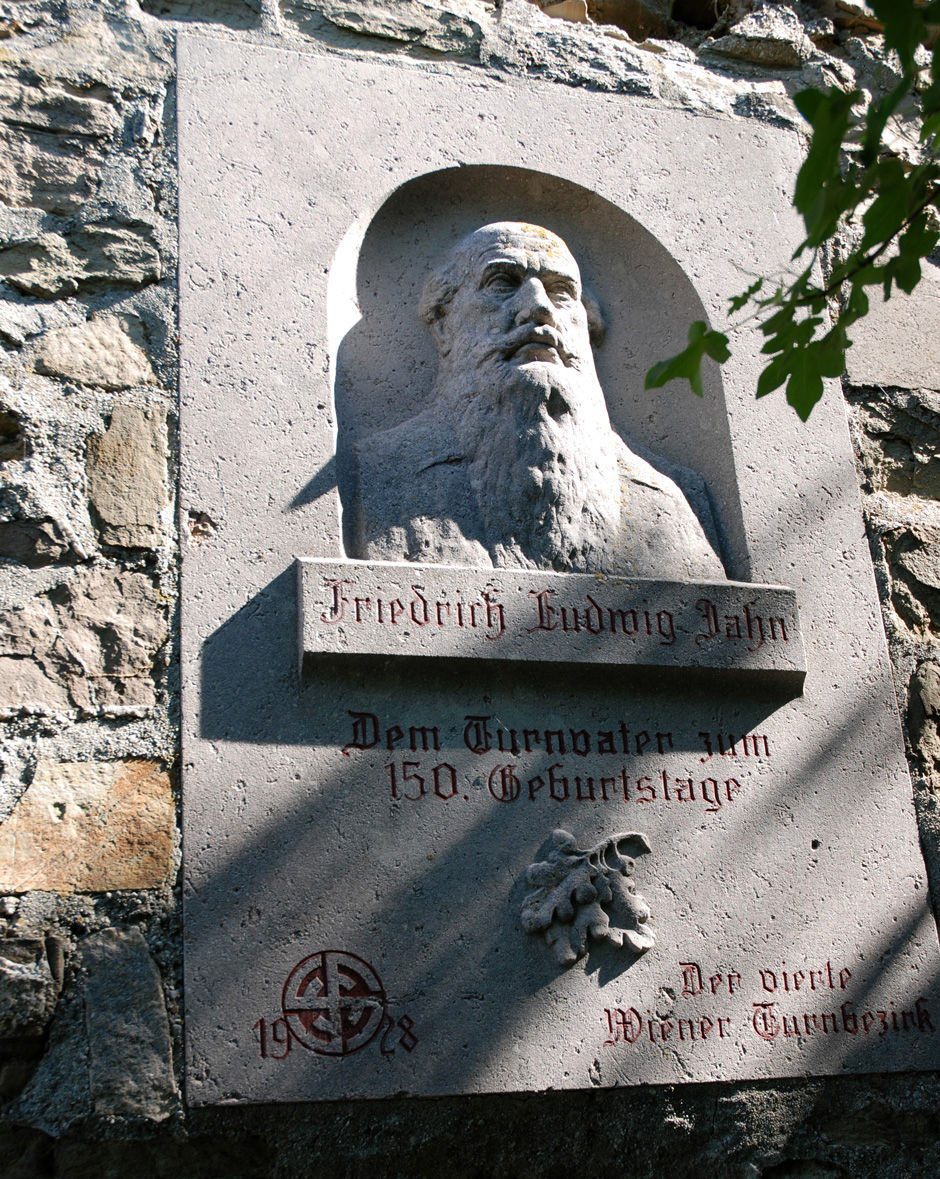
<point x="378" y="608"/>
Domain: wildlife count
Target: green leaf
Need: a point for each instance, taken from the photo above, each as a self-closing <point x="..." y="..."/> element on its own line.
<point x="716" y="346"/>
<point x="688" y="363"/>
<point x="821" y="195"/>
<point x="828" y="113"/>
<point x="831" y="351"/>
<point x="856" y="305"/>
<point x="835" y="188"/>
<point x="918" y="240"/>
<point x="736" y="302"/>
<point x="797" y="335"/>
<point x="889" y="210"/>
<point x="932" y="125"/>
<point x="907" y="273"/>
<point x="805" y="386"/>
<point x="774" y="374"/>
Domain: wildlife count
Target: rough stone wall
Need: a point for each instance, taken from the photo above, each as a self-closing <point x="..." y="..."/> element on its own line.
<point x="90" y="939"/>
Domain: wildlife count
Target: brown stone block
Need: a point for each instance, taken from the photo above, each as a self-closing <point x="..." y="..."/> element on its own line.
<point x="90" y="827"/>
<point x="49" y="265"/>
<point x="100" y="352"/>
<point x="24" y="684"/>
<point x="43" y="170"/>
<point x="127" y="477"/>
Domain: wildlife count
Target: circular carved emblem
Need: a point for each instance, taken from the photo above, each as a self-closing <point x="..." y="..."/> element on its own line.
<point x="334" y="1003"/>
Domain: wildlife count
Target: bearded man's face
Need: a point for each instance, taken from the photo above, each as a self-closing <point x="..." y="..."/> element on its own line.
<point x="519" y="303"/>
<point x="528" y="411"/>
<point x="518" y="310"/>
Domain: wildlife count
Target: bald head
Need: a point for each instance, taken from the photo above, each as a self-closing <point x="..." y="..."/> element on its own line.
<point x="503" y="277"/>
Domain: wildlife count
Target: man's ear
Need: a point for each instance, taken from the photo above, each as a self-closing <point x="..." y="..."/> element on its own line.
<point x="432" y="307"/>
<point x="437" y="324"/>
<point x="595" y="317"/>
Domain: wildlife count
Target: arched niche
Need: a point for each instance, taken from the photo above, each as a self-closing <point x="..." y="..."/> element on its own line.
<point x="386" y="362"/>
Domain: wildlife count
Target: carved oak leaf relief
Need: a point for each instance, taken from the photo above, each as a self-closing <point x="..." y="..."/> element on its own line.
<point x="580" y="894"/>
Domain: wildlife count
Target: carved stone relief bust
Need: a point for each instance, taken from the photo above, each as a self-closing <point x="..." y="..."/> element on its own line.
<point x="515" y="462"/>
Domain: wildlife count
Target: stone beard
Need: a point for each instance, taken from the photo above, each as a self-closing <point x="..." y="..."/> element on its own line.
<point x="542" y="465"/>
<point x="515" y="462"/>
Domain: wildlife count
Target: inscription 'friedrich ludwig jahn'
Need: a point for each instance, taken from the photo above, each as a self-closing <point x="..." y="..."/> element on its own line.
<point x="515" y="462"/>
<point x="487" y="614"/>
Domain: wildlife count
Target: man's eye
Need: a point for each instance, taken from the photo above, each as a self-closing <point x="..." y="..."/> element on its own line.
<point x="561" y="293"/>
<point x="502" y="282"/>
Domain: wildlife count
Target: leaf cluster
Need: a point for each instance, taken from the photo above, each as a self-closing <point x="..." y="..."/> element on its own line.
<point x="572" y="891"/>
<point x="846" y="177"/>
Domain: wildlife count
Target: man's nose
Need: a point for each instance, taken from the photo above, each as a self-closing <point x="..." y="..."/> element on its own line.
<point x="533" y="304"/>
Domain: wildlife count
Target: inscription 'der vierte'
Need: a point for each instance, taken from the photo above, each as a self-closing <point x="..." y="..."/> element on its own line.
<point x="381" y="608"/>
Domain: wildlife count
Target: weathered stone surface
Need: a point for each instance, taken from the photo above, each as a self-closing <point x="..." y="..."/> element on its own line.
<point x="89" y="827"/>
<point x="923" y="716"/>
<point x="898" y="442"/>
<point x="898" y="342"/>
<point x="234" y="14"/>
<point x="100" y="48"/>
<point x="33" y="542"/>
<point x="89" y="643"/>
<point x="46" y="171"/>
<point x="913" y="556"/>
<point x="130" y="1070"/>
<point x="48" y="107"/>
<point x="639" y="18"/>
<point x="28" y="991"/>
<point x="127" y="477"/>
<point x="100" y="352"/>
<point x="19" y="321"/>
<point x="13" y="441"/>
<point x="525" y="39"/>
<point x="452" y="28"/>
<point x="35" y="523"/>
<point x="22" y="17"/>
<point x="50" y="265"/>
<point x="109" y="1050"/>
<point x="57" y="1094"/>
<point x="771" y="35"/>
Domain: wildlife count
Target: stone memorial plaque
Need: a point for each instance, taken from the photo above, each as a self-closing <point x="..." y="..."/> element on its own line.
<point x="539" y="731"/>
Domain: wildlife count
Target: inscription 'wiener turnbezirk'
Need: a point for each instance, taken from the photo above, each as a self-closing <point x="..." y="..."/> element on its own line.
<point x="381" y="608"/>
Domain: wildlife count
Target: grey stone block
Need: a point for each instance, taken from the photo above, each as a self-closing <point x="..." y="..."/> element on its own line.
<point x="898" y="342"/>
<point x="28" y="991"/>
<point x="109" y="1051"/>
<point x="130" y="1071"/>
